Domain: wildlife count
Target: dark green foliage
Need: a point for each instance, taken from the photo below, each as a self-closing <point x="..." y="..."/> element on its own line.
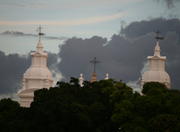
<point x="103" y="106"/>
<point x="154" y="88"/>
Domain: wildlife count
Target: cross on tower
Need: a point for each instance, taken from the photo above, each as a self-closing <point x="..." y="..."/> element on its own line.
<point x="158" y="37"/>
<point x="39" y="32"/>
<point x="94" y="62"/>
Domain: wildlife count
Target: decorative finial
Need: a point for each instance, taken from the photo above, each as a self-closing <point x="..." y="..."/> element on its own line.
<point x="39" y="46"/>
<point x="157" y="47"/>
<point x="39" y="32"/>
<point x="94" y="62"/>
<point x="81" y="80"/>
<point x="158" y="37"/>
<point x="107" y="76"/>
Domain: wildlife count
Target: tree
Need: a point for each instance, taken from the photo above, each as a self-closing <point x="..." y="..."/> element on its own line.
<point x="102" y="106"/>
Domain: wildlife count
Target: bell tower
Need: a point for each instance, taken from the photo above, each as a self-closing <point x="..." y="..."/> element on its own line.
<point x="37" y="76"/>
<point x="156" y="67"/>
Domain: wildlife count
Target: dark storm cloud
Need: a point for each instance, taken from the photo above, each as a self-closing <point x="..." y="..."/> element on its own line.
<point x="169" y="3"/>
<point x="136" y="29"/>
<point x="77" y="53"/>
<point x="125" y="54"/>
<point x="121" y="58"/>
<point x="17" y="34"/>
<point x="12" y="68"/>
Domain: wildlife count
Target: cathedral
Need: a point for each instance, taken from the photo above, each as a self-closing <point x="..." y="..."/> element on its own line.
<point x="38" y="76"/>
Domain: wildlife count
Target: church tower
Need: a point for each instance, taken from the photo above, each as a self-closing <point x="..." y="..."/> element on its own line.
<point x="156" y="68"/>
<point x="37" y="76"/>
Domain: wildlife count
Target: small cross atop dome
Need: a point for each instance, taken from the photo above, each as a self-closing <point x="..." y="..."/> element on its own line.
<point x="39" y="32"/>
<point x="39" y="46"/>
<point x="158" y="37"/>
<point x="157" y="49"/>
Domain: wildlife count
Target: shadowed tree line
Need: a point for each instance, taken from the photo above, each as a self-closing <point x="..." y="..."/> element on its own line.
<point x="103" y="106"/>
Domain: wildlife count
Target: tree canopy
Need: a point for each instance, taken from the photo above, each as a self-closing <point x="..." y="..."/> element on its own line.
<point x="102" y="106"/>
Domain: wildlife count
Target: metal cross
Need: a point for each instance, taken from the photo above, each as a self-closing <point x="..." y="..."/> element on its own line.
<point x="39" y="32"/>
<point x="158" y="37"/>
<point x="94" y="62"/>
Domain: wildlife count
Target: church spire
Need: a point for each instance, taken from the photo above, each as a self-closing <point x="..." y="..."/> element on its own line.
<point x="157" y="49"/>
<point x="39" y="46"/>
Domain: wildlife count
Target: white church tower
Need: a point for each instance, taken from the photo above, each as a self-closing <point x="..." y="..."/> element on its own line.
<point x="156" y="68"/>
<point x="37" y="76"/>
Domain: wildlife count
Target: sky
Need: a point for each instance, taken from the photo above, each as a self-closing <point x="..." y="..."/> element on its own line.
<point x="78" y="30"/>
<point x="83" y="18"/>
<point x="80" y="18"/>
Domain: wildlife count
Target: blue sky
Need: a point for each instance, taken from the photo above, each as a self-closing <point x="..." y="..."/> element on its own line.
<point x="83" y="18"/>
<point x="80" y="18"/>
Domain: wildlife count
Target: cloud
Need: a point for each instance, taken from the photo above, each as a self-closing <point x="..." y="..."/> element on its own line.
<point x="53" y="4"/>
<point x="77" y="22"/>
<point x="17" y="33"/>
<point x="136" y="29"/>
<point x="125" y="54"/>
<point x="120" y="58"/>
<point x="24" y="4"/>
<point x="95" y="3"/>
<point x="10" y="75"/>
<point x="170" y="3"/>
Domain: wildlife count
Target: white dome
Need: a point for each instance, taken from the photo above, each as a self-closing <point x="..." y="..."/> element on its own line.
<point x="156" y="76"/>
<point x="38" y="72"/>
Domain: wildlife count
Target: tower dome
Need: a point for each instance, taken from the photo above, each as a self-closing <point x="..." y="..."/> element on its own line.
<point x="37" y="76"/>
<point x="156" y="69"/>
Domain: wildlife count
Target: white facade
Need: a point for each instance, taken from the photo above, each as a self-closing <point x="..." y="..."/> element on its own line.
<point x="37" y="76"/>
<point x="156" y="69"/>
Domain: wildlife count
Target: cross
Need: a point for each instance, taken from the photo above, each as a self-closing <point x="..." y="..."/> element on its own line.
<point x="39" y="32"/>
<point x="158" y="37"/>
<point x="94" y="62"/>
